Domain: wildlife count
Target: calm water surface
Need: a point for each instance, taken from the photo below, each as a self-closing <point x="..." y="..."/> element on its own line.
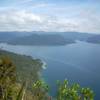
<point x="79" y="62"/>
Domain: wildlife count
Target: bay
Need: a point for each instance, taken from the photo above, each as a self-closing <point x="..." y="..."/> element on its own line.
<point x="78" y="62"/>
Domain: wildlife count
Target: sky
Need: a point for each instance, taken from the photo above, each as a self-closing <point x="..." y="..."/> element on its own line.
<point x="50" y="15"/>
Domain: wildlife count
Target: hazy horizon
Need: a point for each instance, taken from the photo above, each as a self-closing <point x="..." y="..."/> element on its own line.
<point x="49" y="32"/>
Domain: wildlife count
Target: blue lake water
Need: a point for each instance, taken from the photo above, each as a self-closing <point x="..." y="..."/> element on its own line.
<point x="78" y="62"/>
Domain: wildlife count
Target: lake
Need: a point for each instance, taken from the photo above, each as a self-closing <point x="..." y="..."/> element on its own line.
<point x="78" y="62"/>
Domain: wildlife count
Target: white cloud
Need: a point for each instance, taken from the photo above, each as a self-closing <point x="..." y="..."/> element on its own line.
<point x="26" y="21"/>
<point x="18" y="20"/>
<point x="15" y="20"/>
<point x="90" y="21"/>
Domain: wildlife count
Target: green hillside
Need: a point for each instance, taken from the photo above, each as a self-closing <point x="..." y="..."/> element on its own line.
<point x="27" y="68"/>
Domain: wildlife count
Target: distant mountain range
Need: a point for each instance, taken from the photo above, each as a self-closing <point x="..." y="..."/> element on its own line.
<point x="47" y="38"/>
<point x="41" y="39"/>
<point x="6" y="36"/>
<point x="94" y="39"/>
<point x="77" y="35"/>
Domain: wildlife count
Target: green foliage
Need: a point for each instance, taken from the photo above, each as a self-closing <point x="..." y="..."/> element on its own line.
<point x="64" y="92"/>
<point x="87" y="93"/>
<point x="21" y="93"/>
<point x="73" y="92"/>
<point x="40" y="90"/>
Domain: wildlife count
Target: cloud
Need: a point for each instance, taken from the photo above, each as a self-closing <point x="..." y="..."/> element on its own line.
<point x="90" y="20"/>
<point x="18" y="20"/>
<point x="27" y="21"/>
<point x="22" y="20"/>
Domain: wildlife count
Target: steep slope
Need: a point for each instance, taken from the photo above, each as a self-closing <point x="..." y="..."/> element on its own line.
<point x="27" y="68"/>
